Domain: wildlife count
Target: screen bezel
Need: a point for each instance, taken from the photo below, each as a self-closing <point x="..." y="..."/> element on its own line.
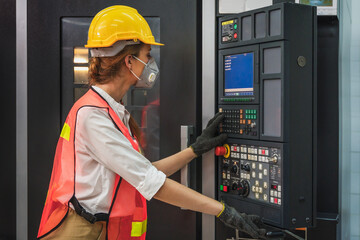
<point x="222" y="99"/>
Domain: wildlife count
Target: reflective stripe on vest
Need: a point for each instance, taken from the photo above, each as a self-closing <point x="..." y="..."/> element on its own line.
<point x="127" y="214"/>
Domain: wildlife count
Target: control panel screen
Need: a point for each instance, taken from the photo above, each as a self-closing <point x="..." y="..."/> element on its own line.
<point x="239" y="74"/>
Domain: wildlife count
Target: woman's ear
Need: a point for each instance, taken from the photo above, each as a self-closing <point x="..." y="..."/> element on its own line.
<point x="128" y="59"/>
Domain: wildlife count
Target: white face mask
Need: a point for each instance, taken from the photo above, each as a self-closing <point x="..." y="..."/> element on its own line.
<point x="149" y="74"/>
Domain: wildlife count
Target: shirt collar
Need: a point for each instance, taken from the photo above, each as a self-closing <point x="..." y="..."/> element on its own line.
<point x="116" y="106"/>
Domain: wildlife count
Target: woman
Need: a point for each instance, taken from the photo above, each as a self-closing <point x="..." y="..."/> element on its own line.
<point x="100" y="180"/>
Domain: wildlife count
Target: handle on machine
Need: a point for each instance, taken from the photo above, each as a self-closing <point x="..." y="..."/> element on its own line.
<point x="186" y="132"/>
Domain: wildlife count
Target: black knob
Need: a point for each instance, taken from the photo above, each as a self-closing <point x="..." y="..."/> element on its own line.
<point x="234" y="169"/>
<point x="244" y="188"/>
<point x="234" y="186"/>
<point x="245" y="167"/>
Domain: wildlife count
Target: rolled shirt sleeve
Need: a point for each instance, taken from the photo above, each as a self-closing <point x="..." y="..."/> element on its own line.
<point x="107" y="145"/>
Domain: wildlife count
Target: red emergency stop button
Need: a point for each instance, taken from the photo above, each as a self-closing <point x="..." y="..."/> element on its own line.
<point x="235" y="35"/>
<point x="220" y="151"/>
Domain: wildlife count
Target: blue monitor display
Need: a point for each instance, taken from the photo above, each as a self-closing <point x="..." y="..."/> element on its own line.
<point x="239" y="75"/>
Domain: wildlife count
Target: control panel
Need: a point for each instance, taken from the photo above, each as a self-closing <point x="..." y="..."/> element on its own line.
<point x="252" y="171"/>
<point x="229" y="30"/>
<point x="266" y="88"/>
<point x="240" y="121"/>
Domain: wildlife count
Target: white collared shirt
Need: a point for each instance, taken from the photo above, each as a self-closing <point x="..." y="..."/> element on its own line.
<point x="102" y="151"/>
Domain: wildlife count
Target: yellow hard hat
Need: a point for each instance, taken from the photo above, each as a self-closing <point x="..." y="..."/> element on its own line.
<point x="117" y="23"/>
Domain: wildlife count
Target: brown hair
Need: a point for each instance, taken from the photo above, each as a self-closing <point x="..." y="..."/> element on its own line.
<point x="104" y="69"/>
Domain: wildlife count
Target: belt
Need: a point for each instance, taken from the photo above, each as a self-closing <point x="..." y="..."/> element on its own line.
<point x="92" y="218"/>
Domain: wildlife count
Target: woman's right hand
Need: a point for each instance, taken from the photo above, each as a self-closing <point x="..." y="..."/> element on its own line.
<point x="249" y="224"/>
<point x="209" y="137"/>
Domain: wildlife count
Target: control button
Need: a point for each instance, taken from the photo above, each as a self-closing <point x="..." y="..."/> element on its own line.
<point x="253" y="174"/>
<point x="265" y="185"/>
<point x="274" y="158"/>
<point x="279" y="194"/>
<point x="265" y="172"/>
<point x="257" y="183"/>
<point x="228" y="176"/>
<point x="272" y="193"/>
<point x="253" y="188"/>
<point x="274" y="186"/>
<point x="225" y="188"/>
<point x="275" y="200"/>
<point x="279" y="188"/>
<point x="275" y="194"/>
<point x="271" y="199"/>
<point x="224" y="175"/>
<point x="221" y="187"/>
<point x="232" y="148"/>
<point x="253" y="165"/>
<point x="279" y="201"/>
<point x="248" y="176"/>
<point x="260" y="166"/>
<point x="249" y="121"/>
<point x="265" y="197"/>
<point x="256" y="189"/>
<point x="260" y="190"/>
<point x="235" y="35"/>
<point x="220" y="151"/>
<point x="257" y="196"/>
<point x="260" y="175"/>
<point x="235" y="26"/>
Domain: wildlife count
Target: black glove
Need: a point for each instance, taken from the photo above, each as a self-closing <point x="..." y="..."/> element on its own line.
<point x="249" y="224"/>
<point x="209" y="137"/>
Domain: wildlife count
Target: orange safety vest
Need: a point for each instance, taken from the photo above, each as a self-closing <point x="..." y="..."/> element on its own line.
<point x="127" y="214"/>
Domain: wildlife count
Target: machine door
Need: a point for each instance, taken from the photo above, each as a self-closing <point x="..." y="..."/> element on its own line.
<point x="60" y="31"/>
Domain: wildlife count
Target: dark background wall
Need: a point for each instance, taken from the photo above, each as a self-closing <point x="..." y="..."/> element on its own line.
<point x="7" y="122"/>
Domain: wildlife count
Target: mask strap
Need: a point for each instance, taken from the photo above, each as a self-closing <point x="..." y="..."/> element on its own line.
<point x="135" y="75"/>
<point x="139" y="60"/>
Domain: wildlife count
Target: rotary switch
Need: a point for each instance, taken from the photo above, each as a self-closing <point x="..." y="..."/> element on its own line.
<point x="244" y="188"/>
<point x="234" y="169"/>
<point x="245" y="167"/>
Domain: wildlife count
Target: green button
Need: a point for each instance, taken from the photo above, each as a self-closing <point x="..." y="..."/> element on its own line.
<point x="255" y="111"/>
<point x="247" y="111"/>
<point x="235" y="26"/>
<point x="254" y="116"/>
<point x="221" y="187"/>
